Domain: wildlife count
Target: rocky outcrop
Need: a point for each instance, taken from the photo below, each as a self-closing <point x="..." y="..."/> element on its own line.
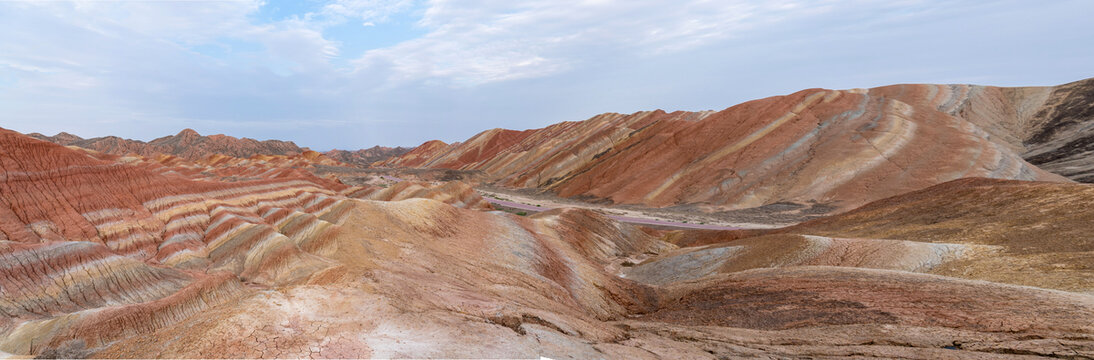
<point x="846" y="147"/>
<point x="365" y="157"/>
<point x="187" y="144"/>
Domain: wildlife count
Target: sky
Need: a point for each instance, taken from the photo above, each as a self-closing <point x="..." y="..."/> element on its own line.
<point x="351" y="74"/>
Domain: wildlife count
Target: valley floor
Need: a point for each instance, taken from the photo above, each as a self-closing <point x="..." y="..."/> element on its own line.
<point x="527" y="201"/>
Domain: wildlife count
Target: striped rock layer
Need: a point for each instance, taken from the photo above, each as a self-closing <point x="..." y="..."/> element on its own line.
<point x="146" y="241"/>
<point x="845" y="146"/>
<point x="455" y="193"/>
<point x="135" y="258"/>
<point x="1043" y="230"/>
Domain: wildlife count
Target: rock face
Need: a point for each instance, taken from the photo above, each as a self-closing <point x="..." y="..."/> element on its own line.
<point x="121" y="256"/>
<point x="187" y="144"/>
<point x="365" y="157"/>
<point x="1063" y="140"/>
<point x="850" y="147"/>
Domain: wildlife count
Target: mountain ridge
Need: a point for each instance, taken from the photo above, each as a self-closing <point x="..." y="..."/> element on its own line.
<point x="716" y="158"/>
<point x="187" y="144"/>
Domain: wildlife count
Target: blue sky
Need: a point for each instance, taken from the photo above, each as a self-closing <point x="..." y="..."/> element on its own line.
<point x="356" y="73"/>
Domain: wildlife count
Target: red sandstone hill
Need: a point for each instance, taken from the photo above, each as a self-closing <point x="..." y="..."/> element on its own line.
<point x="187" y="144"/>
<point x="365" y="157"/>
<point x="845" y="146"/>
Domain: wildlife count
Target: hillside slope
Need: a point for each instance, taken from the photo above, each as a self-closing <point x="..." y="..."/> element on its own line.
<point x="111" y="256"/>
<point x="847" y="147"/>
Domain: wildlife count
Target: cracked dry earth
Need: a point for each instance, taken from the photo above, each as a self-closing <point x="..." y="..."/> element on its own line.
<point x="121" y="260"/>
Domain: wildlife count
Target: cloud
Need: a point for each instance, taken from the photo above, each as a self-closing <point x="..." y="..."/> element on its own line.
<point x="475" y="42"/>
<point x="368" y="11"/>
<point x="402" y="71"/>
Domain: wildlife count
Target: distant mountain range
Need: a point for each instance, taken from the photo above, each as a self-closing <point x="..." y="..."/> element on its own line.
<point x="365" y="157"/>
<point x="187" y="144"/>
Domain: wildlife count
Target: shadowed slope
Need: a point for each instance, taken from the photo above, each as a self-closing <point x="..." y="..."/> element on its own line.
<point x="1063" y="136"/>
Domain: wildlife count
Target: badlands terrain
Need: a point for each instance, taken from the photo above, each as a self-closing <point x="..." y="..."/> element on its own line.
<point x="906" y="221"/>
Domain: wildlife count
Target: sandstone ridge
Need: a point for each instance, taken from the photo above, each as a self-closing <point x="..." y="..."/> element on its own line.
<point x="846" y="147"/>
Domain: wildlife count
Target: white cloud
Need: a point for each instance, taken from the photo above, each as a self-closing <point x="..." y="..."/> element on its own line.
<point x="367" y="11"/>
<point x="148" y="68"/>
<point x="476" y="42"/>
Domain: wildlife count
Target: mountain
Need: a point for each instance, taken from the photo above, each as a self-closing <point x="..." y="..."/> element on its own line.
<point x="365" y="157"/>
<point x="846" y="147"/>
<point x="187" y="144"/>
<point x="62" y="138"/>
<point x="111" y="256"/>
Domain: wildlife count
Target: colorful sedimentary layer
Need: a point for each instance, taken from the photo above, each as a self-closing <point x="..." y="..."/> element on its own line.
<point x="132" y="257"/>
<point x="846" y="147"/>
<point x="455" y="193"/>
<point x="1042" y="230"/>
<point x="1064" y="138"/>
<point x="1017" y="232"/>
<point x="94" y="251"/>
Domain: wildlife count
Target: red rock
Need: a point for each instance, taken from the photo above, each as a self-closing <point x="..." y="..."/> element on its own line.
<point x="848" y="147"/>
<point x="110" y="256"/>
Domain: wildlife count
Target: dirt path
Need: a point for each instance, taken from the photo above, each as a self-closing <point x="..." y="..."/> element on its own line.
<point x="627" y="219"/>
<point x="535" y="204"/>
<point x="520" y="202"/>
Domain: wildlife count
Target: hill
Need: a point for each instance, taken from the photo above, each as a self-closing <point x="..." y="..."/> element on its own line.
<point x="121" y="256"/>
<point x="845" y="147"/>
